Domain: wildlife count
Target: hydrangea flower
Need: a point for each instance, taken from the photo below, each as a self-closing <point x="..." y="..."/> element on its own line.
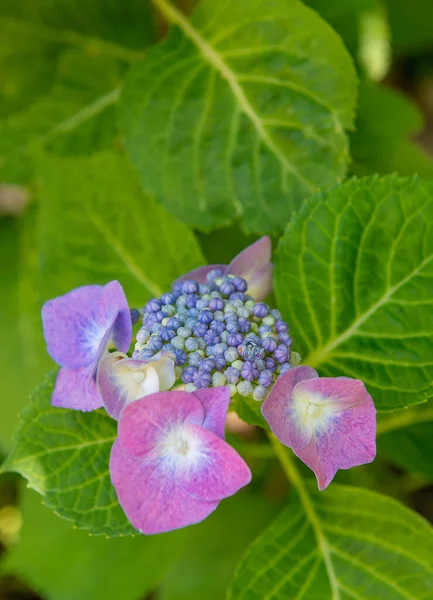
<point x="330" y="423"/>
<point x="170" y="465"/>
<point x="252" y="264"/>
<point x="121" y="380"/>
<point x="218" y="334"/>
<point x="78" y="328"/>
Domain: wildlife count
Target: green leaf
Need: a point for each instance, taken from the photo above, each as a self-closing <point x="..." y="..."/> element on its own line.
<point x="383" y="139"/>
<point x="240" y="117"/>
<point x="76" y="117"/>
<point x="354" y="278"/>
<point x="73" y="564"/>
<point x="96" y="225"/>
<point x="64" y="456"/>
<point x="405" y="438"/>
<point x="339" y="544"/>
<point x="215" y="547"/>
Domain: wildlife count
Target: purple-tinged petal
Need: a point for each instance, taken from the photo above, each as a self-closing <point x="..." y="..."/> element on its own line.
<point x="79" y="325"/>
<point x="152" y="503"/>
<point x="215" y="402"/>
<point x="76" y="389"/>
<point x="121" y="380"/>
<point x="114" y="309"/>
<point x="330" y="423"/>
<point x="280" y="411"/>
<point x="254" y="265"/>
<point x="142" y="421"/>
<point x="200" y="274"/>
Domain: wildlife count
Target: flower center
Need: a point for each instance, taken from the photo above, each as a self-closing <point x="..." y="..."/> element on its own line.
<point x="313" y="409"/>
<point x="139" y="376"/>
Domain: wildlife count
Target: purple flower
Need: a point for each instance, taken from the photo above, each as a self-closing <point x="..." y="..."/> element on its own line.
<point x="253" y="265"/>
<point x="170" y="465"/>
<point x="122" y="380"/>
<point x="78" y="327"/>
<point x="330" y="423"/>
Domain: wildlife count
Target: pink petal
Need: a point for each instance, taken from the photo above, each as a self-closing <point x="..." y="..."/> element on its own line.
<point x="278" y="409"/>
<point x="200" y="274"/>
<point x="76" y="389"/>
<point x="78" y="325"/>
<point x="215" y="402"/>
<point x="152" y="503"/>
<point x="144" y="421"/>
<point x="254" y="265"/>
<point x="215" y="470"/>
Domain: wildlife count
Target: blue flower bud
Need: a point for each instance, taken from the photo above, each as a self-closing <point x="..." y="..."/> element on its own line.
<point x="220" y="349"/>
<point x="285" y="367"/>
<point x="155" y="328"/>
<point x="218" y="379"/>
<point x="194" y="359"/>
<point x="244" y="388"/>
<point x="190" y="301"/>
<point x="166" y="334"/>
<point x="155" y="343"/>
<point x="213" y="274"/>
<point x="173" y="323"/>
<point x="240" y="284"/>
<point x="220" y="362"/>
<point x="153" y="306"/>
<point x="143" y="335"/>
<point x="232" y="375"/>
<point x="187" y="374"/>
<point x="145" y="354"/>
<point x="285" y="338"/>
<point x="266" y="378"/>
<point x="202" y="379"/>
<point x="235" y="339"/>
<point x="168" y="298"/>
<point x="281" y="353"/>
<point x="269" y="344"/>
<point x="207" y="364"/>
<point x="180" y="357"/>
<point x="184" y="332"/>
<point x="201" y="304"/>
<point x="217" y="327"/>
<point x="210" y="337"/>
<point x="259" y="392"/>
<point x="216" y="304"/>
<point x="178" y="342"/>
<point x="249" y="371"/>
<point x="135" y="315"/>
<point x="244" y="325"/>
<point x="281" y="326"/>
<point x="270" y="364"/>
<point x="227" y="288"/>
<point x="260" y="310"/>
<point x="231" y="355"/>
<point x="232" y="327"/>
<point x="205" y="288"/>
<point x="199" y="329"/>
<point x="190" y="287"/>
<point x="205" y="316"/>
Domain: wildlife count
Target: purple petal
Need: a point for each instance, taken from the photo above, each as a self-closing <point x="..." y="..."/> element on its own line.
<point x="254" y="265"/>
<point x="152" y="503"/>
<point x="76" y="389"/>
<point x="215" y="402"/>
<point x="142" y="422"/>
<point x="279" y="411"/>
<point x="79" y="325"/>
<point x="346" y="437"/>
<point x="329" y="423"/>
<point x="122" y="380"/>
<point x="200" y="273"/>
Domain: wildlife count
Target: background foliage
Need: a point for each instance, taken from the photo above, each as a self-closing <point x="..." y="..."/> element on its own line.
<point x="139" y="140"/>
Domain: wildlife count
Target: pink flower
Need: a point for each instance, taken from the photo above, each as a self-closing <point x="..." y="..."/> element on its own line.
<point x="170" y="465"/>
<point x="252" y="264"/>
<point x="330" y="423"/>
<point x="78" y="327"/>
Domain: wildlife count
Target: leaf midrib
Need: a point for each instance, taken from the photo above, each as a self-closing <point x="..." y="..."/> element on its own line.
<point x="216" y="61"/>
<point x="319" y="356"/>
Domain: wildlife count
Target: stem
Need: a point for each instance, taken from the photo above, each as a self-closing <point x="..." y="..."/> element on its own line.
<point x="293" y="475"/>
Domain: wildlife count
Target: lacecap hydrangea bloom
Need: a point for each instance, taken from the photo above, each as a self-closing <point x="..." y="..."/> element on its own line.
<point x="208" y="339"/>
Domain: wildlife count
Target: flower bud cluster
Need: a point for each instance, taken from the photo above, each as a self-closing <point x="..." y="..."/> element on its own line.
<point x="218" y="334"/>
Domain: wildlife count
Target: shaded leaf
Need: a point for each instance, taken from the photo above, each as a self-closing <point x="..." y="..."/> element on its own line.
<point x="241" y="117"/>
<point x="354" y="278"/>
<point x="339" y="544"/>
<point x="383" y="139"/>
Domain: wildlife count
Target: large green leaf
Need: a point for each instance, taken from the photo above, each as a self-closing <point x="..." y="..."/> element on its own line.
<point x="383" y="138"/>
<point x="241" y="116"/>
<point x="64" y="456"/>
<point x="96" y="225"/>
<point x="342" y="544"/>
<point x="354" y="278"/>
<point x="75" y="565"/>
